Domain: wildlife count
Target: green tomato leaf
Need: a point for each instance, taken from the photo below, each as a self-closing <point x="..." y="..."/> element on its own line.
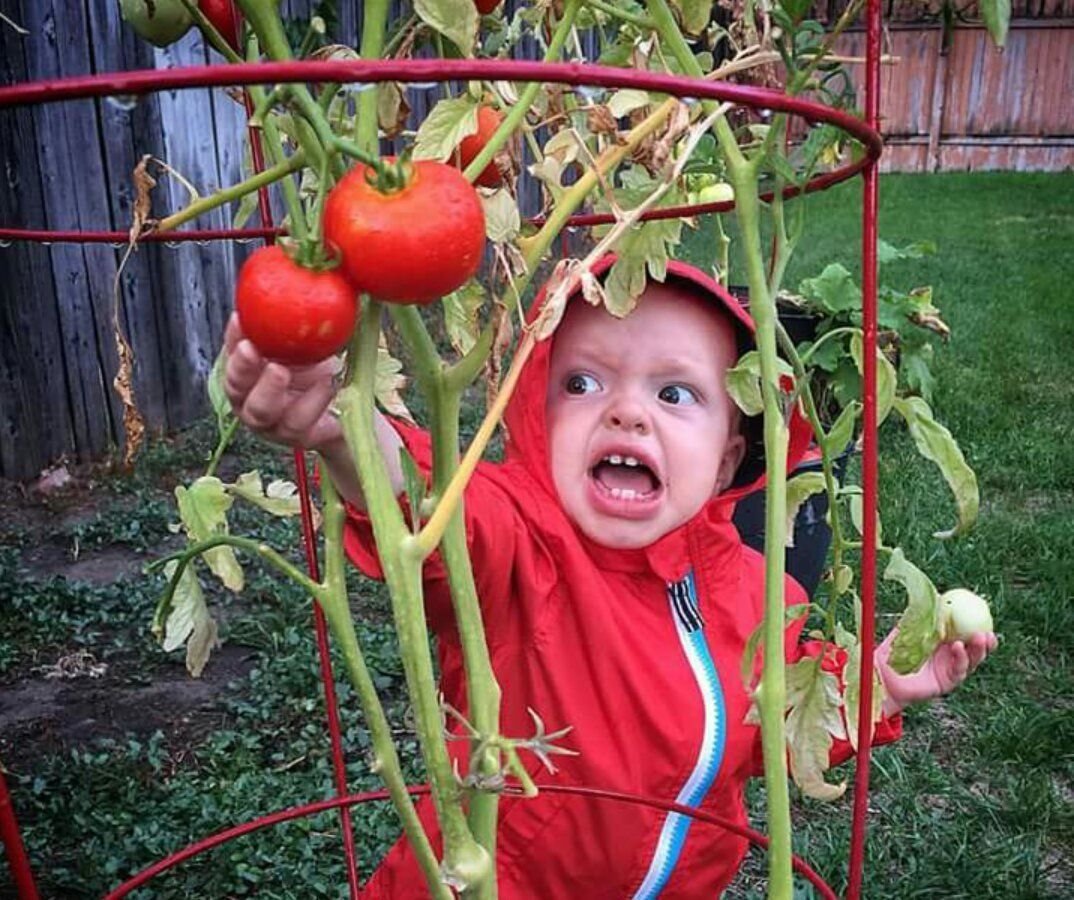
<point x="889" y="253"/>
<point x="743" y="381"/>
<point x="842" y="432"/>
<point x="834" y="290"/>
<point x="446" y="125"/>
<point x="457" y="20"/>
<point x="919" y="626"/>
<point x="188" y="621"/>
<point x="502" y="218"/>
<point x="390" y="383"/>
<point x="694" y="14"/>
<point x="935" y="443"/>
<point x="915" y="363"/>
<point x="857" y="514"/>
<point x="414" y="484"/>
<point x="852" y="694"/>
<point x="460" y="316"/>
<point x="217" y="398"/>
<point x="625" y="101"/>
<point x="997" y="18"/>
<point x="886" y="377"/>
<point x="203" y="510"/>
<point x="814" y="717"/>
<point x="280" y="498"/>
<point x="799" y="489"/>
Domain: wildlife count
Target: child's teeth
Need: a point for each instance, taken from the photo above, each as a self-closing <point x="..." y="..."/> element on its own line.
<point x="617" y="493"/>
<point x="628" y="494"/>
<point x="615" y="459"/>
<point x="630" y="461"/>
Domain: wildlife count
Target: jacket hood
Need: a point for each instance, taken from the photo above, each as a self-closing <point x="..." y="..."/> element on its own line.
<point x="524" y="419"/>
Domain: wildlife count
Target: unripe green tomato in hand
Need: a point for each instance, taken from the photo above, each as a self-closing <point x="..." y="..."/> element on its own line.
<point x="161" y="22"/>
<point x="410" y="245"/>
<point x="291" y="314"/>
<point x="963" y="615"/>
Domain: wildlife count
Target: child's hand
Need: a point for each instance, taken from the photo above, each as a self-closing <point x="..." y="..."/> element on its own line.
<point x="950" y="664"/>
<point x="288" y="405"/>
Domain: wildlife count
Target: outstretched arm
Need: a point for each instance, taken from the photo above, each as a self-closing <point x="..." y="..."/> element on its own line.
<point x="291" y="405"/>
<point x="950" y="664"/>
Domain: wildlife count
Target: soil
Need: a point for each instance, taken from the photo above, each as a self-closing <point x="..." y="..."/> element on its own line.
<point x="64" y="703"/>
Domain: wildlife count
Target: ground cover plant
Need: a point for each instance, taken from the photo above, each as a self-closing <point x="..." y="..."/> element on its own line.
<point x="974" y="802"/>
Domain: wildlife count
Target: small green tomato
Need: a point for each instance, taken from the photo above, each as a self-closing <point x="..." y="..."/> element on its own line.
<point x="160" y="22"/>
<point x="963" y="614"/>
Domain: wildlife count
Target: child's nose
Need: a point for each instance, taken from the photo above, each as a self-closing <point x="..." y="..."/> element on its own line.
<point x="627" y="415"/>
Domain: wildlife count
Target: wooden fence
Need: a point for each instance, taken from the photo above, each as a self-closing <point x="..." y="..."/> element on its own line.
<point x="68" y="166"/>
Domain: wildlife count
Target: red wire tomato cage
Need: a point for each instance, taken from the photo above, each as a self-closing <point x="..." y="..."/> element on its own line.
<point x="372" y="71"/>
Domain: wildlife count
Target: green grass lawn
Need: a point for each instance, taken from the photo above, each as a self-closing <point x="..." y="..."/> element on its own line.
<point x="977" y="800"/>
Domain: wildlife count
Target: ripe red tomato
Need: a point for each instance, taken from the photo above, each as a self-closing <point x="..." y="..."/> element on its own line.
<point x="411" y="245"/>
<point x="486" y="6"/>
<point x="292" y="314"/>
<point x="488" y="120"/>
<point x="225" y="17"/>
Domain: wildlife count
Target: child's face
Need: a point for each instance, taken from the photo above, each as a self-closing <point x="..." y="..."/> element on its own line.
<point x="641" y="430"/>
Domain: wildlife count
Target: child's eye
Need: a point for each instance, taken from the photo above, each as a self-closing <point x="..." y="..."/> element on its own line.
<point x="581" y="384"/>
<point x="678" y="395"/>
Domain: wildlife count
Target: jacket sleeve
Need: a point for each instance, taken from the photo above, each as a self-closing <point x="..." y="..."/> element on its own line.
<point x="489" y="538"/>
<point x="888" y="729"/>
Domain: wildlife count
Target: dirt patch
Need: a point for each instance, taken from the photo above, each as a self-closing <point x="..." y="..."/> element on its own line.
<point x="47" y="714"/>
<point x="104" y="566"/>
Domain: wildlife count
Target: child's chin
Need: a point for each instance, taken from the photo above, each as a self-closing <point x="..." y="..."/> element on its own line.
<point x="622" y="536"/>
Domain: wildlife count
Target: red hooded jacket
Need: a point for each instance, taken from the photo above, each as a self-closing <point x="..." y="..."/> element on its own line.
<point x="638" y="650"/>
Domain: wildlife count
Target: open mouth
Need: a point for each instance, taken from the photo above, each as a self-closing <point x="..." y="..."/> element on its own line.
<point x="625" y="477"/>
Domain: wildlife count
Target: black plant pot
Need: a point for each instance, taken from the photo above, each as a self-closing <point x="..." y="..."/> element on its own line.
<point x="804" y="561"/>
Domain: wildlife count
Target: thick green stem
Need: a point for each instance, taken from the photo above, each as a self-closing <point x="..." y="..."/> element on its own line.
<point x="221" y="446"/>
<point x="483" y="691"/>
<point x="772" y="691"/>
<point x="374" y="28"/>
<point x="518" y="112"/>
<point x="465" y="863"/>
<point x="338" y="615"/>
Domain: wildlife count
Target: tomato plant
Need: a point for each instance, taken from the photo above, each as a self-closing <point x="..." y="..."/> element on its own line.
<point x="225" y="18"/>
<point x="486" y="6"/>
<point x="160" y="22"/>
<point x="293" y="314"/>
<point x="488" y="120"/>
<point x="412" y="244"/>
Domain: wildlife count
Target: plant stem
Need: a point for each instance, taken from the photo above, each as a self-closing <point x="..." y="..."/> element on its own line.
<point x="518" y="112"/>
<point x="374" y="28"/>
<point x="233" y="192"/>
<point x="338" y="615"/>
<point x="614" y="11"/>
<point x="772" y="691"/>
<point x="255" y="548"/>
<point x="225" y="440"/>
<point x="483" y="691"/>
<point x="465" y="861"/>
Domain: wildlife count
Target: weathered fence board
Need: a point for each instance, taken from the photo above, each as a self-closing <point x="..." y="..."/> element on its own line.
<point x="69" y="166"/>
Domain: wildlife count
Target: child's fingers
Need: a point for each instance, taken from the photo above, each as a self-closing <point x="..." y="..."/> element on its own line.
<point x="296" y="425"/>
<point x="978" y="647"/>
<point x="267" y="399"/>
<point x="243" y="369"/>
<point x="958" y="663"/>
<point x="233" y="333"/>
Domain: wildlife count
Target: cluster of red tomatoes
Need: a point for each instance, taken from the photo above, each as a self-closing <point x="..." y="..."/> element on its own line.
<point x="409" y="245"/>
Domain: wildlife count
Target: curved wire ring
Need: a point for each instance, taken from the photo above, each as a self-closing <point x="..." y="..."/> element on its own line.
<point x="309" y="809"/>
<point x="411" y="71"/>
